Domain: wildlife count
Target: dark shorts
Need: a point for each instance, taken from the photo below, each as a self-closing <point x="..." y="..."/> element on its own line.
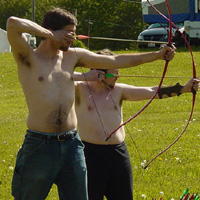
<point x="42" y="162"/>
<point x="109" y="172"/>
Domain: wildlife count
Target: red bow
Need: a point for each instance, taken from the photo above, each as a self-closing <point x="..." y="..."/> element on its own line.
<point x="194" y="92"/>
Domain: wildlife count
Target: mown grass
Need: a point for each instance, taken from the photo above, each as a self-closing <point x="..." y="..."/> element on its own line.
<point x="153" y="130"/>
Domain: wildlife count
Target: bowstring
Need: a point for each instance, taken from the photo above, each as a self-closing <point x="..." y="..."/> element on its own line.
<point x="127" y="130"/>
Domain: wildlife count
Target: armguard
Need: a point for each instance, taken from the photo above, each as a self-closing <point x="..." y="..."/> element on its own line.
<point x="169" y="90"/>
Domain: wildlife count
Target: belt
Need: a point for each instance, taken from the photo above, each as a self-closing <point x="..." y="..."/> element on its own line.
<point x="60" y="137"/>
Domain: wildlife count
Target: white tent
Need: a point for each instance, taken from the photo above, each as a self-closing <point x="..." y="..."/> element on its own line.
<point x="4" y="44"/>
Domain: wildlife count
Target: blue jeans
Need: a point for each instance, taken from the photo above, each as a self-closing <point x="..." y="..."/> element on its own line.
<point x="40" y="163"/>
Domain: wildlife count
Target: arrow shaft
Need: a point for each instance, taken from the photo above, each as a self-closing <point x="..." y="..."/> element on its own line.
<point x="127" y="40"/>
<point x="82" y="37"/>
<point x="145" y="76"/>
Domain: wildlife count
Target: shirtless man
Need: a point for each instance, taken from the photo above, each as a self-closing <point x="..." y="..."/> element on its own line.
<point x="52" y="151"/>
<point x="99" y="112"/>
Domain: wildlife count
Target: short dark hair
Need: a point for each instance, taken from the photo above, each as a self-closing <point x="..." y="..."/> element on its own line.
<point x="105" y="52"/>
<point x="58" y="18"/>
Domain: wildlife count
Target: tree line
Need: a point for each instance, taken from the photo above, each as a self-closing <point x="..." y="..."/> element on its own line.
<point x="97" y="18"/>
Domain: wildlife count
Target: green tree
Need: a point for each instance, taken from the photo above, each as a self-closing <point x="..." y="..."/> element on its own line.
<point x="113" y="18"/>
<point x="105" y="18"/>
<point x="20" y="8"/>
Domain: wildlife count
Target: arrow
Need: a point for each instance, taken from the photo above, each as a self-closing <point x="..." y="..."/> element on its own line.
<point x="83" y="37"/>
<point x="142" y="76"/>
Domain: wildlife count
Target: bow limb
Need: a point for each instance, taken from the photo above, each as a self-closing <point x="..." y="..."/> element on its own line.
<point x="159" y="86"/>
<point x="193" y="101"/>
<point x="187" y="43"/>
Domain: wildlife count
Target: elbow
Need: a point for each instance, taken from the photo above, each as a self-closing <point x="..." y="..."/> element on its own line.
<point x="11" y="22"/>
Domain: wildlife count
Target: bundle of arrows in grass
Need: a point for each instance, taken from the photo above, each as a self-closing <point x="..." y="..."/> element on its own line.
<point x="185" y="196"/>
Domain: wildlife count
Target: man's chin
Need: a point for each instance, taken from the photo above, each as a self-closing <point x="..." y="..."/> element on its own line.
<point x="64" y="48"/>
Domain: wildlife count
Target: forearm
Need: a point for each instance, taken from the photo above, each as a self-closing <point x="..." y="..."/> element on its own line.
<point x="26" y="26"/>
<point x="77" y="76"/>
<point x="186" y="89"/>
<point x="166" y="53"/>
<point x="127" y="60"/>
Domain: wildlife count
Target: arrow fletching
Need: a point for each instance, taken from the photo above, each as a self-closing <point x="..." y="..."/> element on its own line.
<point x="82" y="37"/>
<point x="109" y="75"/>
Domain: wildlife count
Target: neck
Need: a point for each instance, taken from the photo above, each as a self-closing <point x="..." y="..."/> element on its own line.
<point x="47" y="49"/>
<point x="108" y="85"/>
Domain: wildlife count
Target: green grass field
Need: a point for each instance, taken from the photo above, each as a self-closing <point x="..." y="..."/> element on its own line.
<point x="153" y="130"/>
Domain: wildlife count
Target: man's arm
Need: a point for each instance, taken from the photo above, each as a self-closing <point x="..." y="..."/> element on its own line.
<point x="17" y="26"/>
<point x="91" y="60"/>
<point x="15" y="29"/>
<point x="132" y="93"/>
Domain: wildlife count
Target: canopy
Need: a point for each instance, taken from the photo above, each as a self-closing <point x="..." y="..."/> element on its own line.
<point x="181" y="10"/>
<point x="4" y="44"/>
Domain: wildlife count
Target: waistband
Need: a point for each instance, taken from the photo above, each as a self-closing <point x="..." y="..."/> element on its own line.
<point x="105" y="146"/>
<point x="60" y="136"/>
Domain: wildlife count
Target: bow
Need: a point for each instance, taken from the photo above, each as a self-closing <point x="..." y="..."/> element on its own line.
<point x="161" y="81"/>
<point x="193" y="91"/>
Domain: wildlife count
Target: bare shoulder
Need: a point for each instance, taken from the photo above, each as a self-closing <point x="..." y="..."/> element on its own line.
<point x="82" y="53"/>
<point x="124" y="86"/>
<point x="80" y="91"/>
<point x="128" y="92"/>
<point x="80" y="84"/>
<point x="81" y="50"/>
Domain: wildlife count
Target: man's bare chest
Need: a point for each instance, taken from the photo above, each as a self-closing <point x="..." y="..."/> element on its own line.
<point x="47" y="72"/>
<point x="104" y="102"/>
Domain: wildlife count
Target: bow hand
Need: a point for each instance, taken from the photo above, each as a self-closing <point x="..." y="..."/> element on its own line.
<point x="168" y="52"/>
<point x="191" y="86"/>
<point x="195" y="85"/>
